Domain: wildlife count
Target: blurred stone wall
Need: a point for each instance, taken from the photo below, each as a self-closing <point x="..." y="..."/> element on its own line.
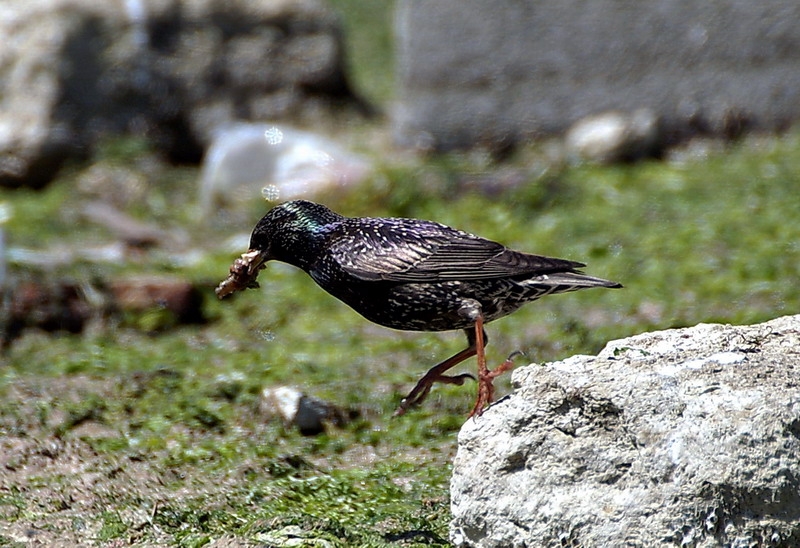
<point x="495" y="72"/>
<point x="73" y="72"/>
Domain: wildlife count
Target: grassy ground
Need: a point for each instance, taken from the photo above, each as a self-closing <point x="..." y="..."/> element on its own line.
<point x="121" y="435"/>
<point x="127" y="434"/>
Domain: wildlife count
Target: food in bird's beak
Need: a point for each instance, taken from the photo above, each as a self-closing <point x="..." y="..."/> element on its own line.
<point x="243" y="273"/>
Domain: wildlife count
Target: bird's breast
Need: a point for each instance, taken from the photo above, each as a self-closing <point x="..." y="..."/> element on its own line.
<point x="422" y="306"/>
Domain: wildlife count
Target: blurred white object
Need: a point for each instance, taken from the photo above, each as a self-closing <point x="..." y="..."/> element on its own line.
<point x="308" y="414"/>
<point x="244" y="159"/>
<point x="5" y="215"/>
<point x="614" y="136"/>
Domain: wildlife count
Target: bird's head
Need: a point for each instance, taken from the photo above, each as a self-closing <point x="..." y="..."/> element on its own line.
<point x="287" y="232"/>
<point x="290" y="232"/>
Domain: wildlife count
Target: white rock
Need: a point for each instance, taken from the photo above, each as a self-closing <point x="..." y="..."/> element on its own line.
<point x="246" y="159"/>
<point x="308" y="414"/>
<point x="613" y="136"/>
<point x="707" y="455"/>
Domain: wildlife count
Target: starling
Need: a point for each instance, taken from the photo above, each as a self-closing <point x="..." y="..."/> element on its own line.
<point x="409" y="274"/>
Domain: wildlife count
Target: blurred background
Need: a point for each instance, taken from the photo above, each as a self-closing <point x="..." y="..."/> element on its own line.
<point x="141" y="140"/>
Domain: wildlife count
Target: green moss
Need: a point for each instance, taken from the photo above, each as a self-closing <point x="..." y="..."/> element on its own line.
<point x="113" y="526"/>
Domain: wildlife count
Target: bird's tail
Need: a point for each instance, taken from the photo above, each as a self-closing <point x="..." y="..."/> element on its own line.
<point x="577" y="280"/>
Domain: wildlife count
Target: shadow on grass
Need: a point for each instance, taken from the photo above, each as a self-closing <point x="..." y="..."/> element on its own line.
<point x="414" y="535"/>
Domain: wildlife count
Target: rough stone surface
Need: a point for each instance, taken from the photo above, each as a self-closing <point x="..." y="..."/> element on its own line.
<point x="686" y="437"/>
<point x="494" y="72"/>
<point x="75" y="71"/>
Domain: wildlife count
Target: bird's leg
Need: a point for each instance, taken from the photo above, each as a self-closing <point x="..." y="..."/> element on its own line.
<point x="485" y="376"/>
<point x="469" y="310"/>
<point x="476" y="344"/>
<point x="435" y="374"/>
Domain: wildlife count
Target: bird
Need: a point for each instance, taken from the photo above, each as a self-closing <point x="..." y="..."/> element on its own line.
<point x="411" y="275"/>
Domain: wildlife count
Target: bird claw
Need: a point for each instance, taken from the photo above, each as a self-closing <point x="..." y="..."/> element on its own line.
<point x="458" y="380"/>
<point x="423" y="388"/>
<point x="485" y="386"/>
<point x="408" y="402"/>
<point x="415" y="397"/>
<point x="402" y="408"/>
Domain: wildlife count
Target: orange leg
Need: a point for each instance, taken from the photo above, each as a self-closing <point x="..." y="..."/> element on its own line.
<point x="435" y="374"/>
<point x="477" y="343"/>
<point x="485" y="376"/>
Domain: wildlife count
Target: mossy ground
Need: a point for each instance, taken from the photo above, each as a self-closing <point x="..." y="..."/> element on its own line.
<point x="122" y="435"/>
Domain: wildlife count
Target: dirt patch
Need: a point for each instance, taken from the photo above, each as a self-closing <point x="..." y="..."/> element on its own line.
<point x="74" y="470"/>
<point x="58" y="489"/>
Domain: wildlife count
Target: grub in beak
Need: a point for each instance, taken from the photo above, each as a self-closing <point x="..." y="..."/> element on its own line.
<point x="243" y="273"/>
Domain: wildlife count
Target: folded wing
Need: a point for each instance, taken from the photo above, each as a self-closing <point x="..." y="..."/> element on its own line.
<point x="409" y="250"/>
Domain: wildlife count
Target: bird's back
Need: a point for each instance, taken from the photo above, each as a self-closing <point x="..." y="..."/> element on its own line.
<point x="416" y="275"/>
<point x="411" y="250"/>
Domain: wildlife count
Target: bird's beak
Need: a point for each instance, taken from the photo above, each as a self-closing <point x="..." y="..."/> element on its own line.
<point x="254" y="259"/>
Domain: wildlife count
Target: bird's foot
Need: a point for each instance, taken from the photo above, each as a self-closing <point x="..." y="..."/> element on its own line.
<point x="485" y="386"/>
<point x="423" y="387"/>
<point x="436" y="374"/>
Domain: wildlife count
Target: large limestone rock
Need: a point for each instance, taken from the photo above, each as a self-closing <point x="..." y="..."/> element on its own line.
<point x="687" y="437"/>
<point x="75" y="71"/>
<point x="495" y="72"/>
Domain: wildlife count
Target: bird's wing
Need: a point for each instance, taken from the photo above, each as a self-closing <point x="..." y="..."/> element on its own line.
<point x="409" y="250"/>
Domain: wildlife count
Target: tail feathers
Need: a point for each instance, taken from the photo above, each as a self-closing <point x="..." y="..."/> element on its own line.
<point x="574" y="279"/>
